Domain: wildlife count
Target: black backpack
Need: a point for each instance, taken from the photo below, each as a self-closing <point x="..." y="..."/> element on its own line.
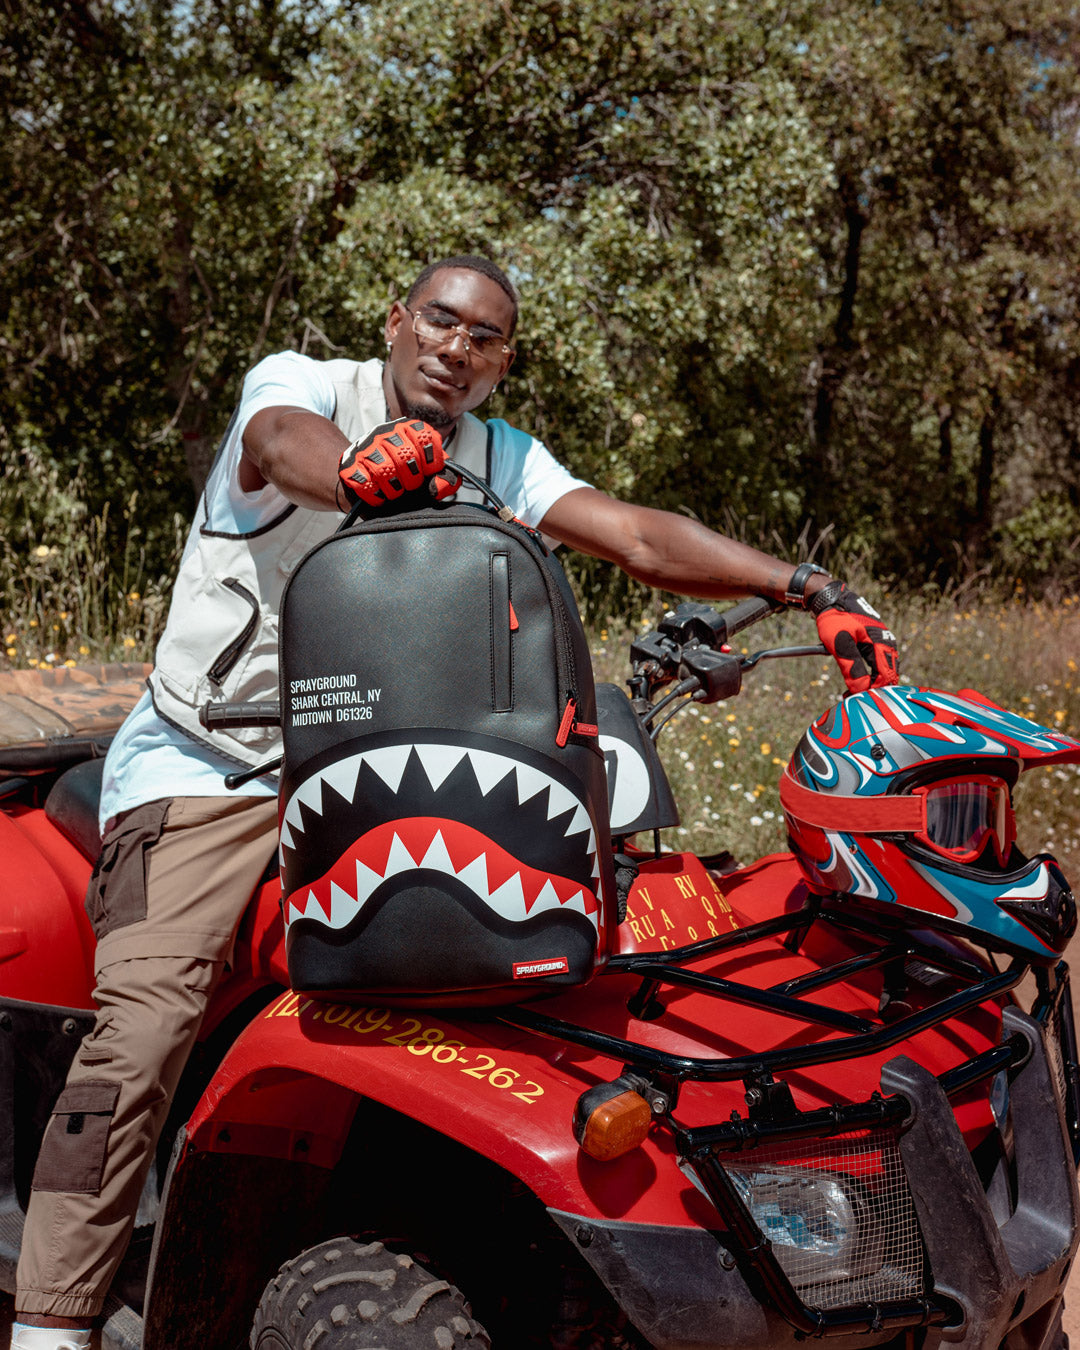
<point x="444" y="817"/>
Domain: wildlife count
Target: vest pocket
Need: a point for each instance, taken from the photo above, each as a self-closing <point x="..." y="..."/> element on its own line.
<point x="229" y="655"/>
<point x="502" y="668"/>
<point x="72" y="1156"/>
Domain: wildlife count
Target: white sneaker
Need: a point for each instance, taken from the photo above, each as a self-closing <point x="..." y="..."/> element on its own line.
<point x="48" y="1338"/>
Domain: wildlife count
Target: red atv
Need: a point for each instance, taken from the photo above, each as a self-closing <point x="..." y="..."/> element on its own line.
<point x="802" y="1099"/>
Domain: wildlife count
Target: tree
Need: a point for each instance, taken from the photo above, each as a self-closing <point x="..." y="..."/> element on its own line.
<point x="778" y="264"/>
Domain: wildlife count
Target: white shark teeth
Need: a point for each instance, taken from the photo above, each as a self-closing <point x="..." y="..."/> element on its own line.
<point x="438" y="761"/>
<point x="509" y="900"/>
<point x="389" y="763"/>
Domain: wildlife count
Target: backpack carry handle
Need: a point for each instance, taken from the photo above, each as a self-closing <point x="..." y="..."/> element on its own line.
<point x="483" y="487"/>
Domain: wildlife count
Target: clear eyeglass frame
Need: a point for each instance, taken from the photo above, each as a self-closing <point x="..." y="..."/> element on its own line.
<point x="432" y="325"/>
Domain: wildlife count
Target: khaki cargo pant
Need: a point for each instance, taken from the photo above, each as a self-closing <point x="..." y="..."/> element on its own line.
<point x="170" y="887"/>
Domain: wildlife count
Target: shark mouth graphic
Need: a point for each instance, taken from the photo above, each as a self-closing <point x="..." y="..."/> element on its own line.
<point x="485" y="824"/>
<point x="449" y="849"/>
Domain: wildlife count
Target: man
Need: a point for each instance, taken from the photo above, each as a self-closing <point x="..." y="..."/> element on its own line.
<point x="180" y="859"/>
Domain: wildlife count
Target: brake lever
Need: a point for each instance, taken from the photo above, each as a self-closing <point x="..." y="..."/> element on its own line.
<point x="771" y="653"/>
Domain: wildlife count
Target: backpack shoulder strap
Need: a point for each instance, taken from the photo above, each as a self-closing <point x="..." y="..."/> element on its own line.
<point x="471" y="449"/>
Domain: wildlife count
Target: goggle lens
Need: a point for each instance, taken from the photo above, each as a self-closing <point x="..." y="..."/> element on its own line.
<point x="961" y="816"/>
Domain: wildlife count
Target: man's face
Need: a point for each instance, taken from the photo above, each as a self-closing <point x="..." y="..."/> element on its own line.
<point x="437" y="380"/>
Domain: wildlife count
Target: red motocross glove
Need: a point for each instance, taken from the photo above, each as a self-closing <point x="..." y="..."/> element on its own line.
<point x="855" y="637"/>
<point x="396" y="458"/>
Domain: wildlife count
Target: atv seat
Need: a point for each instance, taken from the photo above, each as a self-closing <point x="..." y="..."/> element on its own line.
<point x="72" y="805"/>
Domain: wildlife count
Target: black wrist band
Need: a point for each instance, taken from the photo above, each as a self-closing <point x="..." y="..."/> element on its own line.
<point x="796" y="588"/>
<point x="826" y="598"/>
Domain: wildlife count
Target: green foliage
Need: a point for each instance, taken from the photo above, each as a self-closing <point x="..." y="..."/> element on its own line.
<point x="1042" y="542"/>
<point x="788" y="267"/>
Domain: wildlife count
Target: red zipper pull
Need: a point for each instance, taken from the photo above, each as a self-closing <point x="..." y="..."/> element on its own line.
<point x="513" y="619"/>
<point x="568" y="724"/>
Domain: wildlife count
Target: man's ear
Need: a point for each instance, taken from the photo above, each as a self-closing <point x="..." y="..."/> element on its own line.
<point x="507" y="362"/>
<point x="394" y="320"/>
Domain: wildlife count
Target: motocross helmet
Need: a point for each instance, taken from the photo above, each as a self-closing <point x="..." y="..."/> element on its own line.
<point x="901" y="799"/>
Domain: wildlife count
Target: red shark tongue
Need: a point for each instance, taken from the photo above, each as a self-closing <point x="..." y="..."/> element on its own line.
<point x="463" y="846"/>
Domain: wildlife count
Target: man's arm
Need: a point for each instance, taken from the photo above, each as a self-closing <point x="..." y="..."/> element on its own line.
<point x="678" y="554"/>
<point x="667" y="550"/>
<point x="296" y="450"/>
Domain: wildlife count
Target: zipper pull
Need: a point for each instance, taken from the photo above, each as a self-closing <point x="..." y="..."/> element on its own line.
<point x="568" y="724"/>
<point x="513" y="618"/>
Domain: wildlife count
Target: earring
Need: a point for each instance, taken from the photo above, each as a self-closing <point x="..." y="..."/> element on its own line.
<point x="389" y="346"/>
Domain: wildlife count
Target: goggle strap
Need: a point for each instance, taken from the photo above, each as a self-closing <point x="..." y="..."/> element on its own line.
<point x="852" y="815"/>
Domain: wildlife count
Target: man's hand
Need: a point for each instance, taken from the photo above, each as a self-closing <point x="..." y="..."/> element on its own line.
<point x="855" y="636"/>
<point x="394" y="459"/>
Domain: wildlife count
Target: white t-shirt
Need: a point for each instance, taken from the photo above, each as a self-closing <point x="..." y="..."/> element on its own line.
<point x="149" y="758"/>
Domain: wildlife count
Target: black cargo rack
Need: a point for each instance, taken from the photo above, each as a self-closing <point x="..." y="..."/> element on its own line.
<point x="861" y="1035"/>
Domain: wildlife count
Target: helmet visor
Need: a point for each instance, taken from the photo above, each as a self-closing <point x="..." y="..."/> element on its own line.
<point x="963" y="814"/>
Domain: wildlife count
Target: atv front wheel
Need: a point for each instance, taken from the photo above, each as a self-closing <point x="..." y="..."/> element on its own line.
<point x="344" y="1295"/>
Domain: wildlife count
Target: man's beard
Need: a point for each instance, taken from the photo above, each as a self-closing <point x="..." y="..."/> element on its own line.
<point x="432" y="413"/>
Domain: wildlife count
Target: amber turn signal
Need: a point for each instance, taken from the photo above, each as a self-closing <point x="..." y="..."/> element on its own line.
<point x="610" y="1120"/>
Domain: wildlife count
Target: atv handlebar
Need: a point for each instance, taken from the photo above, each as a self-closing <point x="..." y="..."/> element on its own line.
<point x="690" y="645"/>
<point x="746" y="613"/>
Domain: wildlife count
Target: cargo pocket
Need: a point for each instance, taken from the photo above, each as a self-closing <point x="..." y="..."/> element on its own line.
<point x="72" y="1156"/>
<point x="116" y="895"/>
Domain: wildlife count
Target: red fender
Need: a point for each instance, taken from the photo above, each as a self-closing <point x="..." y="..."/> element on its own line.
<point x="46" y="942"/>
<point x="292" y="1080"/>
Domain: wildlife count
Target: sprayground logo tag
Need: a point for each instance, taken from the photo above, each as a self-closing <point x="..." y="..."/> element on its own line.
<point x="528" y="970"/>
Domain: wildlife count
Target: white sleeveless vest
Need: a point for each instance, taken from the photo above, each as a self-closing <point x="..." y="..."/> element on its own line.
<point x="220" y="640"/>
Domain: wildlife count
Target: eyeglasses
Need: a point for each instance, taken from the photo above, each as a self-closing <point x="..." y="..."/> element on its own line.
<point x="963" y="814"/>
<point x="481" y="344"/>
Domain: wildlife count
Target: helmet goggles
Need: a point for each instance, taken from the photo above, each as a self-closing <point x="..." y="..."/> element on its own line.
<point x="964" y="814"/>
<point x="953" y="817"/>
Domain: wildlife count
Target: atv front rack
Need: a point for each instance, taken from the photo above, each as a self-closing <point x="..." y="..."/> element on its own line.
<point x="773" y="1118"/>
<point x="863" y="1036"/>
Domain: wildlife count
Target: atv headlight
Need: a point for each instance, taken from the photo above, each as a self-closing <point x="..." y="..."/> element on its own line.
<point x="821" y="1224"/>
<point x="837" y="1214"/>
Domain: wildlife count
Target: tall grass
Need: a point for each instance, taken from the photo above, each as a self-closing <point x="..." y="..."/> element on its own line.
<point x="65" y="597"/>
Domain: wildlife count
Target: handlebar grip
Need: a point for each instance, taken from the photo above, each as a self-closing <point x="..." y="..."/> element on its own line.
<point x="748" y="612"/>
<point x="217" y="715"/>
